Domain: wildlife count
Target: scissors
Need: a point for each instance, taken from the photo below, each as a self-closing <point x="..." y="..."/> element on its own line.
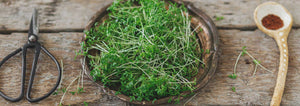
<point x="32" y="43"/>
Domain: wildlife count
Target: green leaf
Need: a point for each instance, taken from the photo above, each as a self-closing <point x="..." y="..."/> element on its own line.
<point x="170" y="100"/>
<point x="85" y="103"/>
<point x="244" y="50"/>
<point x="154" y="100"/>
<point x="195" y="81"/>
<point x="207" y="51"/>
<point x="63" y="90"/>
<point x="72" y="92"/>
<point x="203" y="66"/>
<point x="202" y="50"/>
<point x="55" y="93"/>
<point x="233" y="89"/>
<point x="132" y="98"/>
<point x="201" y="29"/>
<point x="243" y="53"/>
<point x="117" y="93"/>
<point x="232" y="76"/>
<point x="218" y="18"/>
<point x="177" y="100"/>
<point x="80" y="90"/>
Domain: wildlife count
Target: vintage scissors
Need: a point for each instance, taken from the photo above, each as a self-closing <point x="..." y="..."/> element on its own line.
<point x="32" y="43"/>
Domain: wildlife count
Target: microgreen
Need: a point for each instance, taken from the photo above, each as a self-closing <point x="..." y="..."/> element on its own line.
<point x="232" y="76"/>
<point x="63" y="90"/>
<point x="117" y="93"/>
<point x="244" y="50"/>
<point x="177" y="100"/>
<point x="219" y="18"/>
<point x="201" y="29"/>
<point x="80" y="90"/>
<point x="55" y="93"/>
<point x="256" y="62"/>
<point x="154" y="100"/>
<point x="145" y="50"/>
<point x="170" y="100"/>
<point x="207" y="51"/>
<point x="85" y="103"/>
<point x="72" y="92"/>
<point x="233" y="89"/>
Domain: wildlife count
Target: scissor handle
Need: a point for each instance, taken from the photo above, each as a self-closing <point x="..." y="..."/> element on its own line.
<point x="38" y="48"/>
<point x="23" y="77"/>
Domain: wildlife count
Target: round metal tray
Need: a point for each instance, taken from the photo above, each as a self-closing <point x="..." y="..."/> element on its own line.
<point x="208" y="39"/>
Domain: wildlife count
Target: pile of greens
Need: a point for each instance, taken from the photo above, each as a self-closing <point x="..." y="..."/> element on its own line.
<point x="147" y="50"/>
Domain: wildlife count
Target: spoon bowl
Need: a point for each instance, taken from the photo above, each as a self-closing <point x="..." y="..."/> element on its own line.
<point x="280" y="35"/>
<point x="273" y="8"/>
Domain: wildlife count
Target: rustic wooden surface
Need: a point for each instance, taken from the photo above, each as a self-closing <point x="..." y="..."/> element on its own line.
<point x="72" y="15"/>
<point x="62" y="22"/>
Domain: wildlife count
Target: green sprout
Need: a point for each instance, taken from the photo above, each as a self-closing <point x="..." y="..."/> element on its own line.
<point x="218" y="18"/>
<point x="233" y="89"/>
<point x="145" y="50"/>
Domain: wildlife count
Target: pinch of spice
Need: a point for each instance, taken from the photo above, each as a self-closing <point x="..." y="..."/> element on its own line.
<point x="272" y="22"/>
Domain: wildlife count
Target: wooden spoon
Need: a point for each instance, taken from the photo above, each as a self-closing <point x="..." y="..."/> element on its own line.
<point x="280" y="35"/>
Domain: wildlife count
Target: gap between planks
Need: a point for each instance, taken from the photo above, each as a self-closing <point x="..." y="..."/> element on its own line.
<point x="250" y="28"/>
<point x="42" y="31"/>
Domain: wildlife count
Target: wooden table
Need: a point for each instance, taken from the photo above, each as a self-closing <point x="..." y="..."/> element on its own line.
<point x="61" y="27"/>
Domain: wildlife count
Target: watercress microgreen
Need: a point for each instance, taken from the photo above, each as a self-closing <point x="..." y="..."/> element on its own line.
<point x="233" y="89"/>
<point x="218" y="18"/>
<point x="232" y="76"/>
<point x="145" y="50"/>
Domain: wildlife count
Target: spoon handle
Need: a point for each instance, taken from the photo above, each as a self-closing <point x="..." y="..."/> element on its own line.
<point x="283" y="67"/>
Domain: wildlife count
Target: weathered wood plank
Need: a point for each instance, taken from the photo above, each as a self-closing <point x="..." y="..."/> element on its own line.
<point x="74" y="14"/>
<point x="257" y="90"/>
<point x="239" y="13"/>
<point x="53" y="14"/>
<point x="250" y="90"/>
<point x="63" y="47"/>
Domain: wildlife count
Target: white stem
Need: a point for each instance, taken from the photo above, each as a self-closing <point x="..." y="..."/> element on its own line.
<point x="236" y="62"/>
<point x="67" y="90"/>
<point x="255" y="70"/>
<point x="258" y="63"/>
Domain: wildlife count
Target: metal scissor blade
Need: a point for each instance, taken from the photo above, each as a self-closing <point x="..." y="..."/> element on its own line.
<point x="34" y="28"/>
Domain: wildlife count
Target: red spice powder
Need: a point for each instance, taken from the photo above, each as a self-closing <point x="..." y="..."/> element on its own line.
<point x="272" y="22"/>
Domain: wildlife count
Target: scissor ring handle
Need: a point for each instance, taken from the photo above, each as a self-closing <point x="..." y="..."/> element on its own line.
<point x="38" y="48"/>
<point x="23" y="78"/>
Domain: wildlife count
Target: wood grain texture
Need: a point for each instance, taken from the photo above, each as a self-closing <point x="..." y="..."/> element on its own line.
<point x="238" y="13"/>
<point x="257" y="90"/>
<point x="63" y="47"/>
<point x="69" y="15"/>
<point x="60" y="15"/>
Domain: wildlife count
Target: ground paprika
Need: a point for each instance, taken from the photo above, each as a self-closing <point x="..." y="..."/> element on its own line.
<point x="272" y="22"/>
